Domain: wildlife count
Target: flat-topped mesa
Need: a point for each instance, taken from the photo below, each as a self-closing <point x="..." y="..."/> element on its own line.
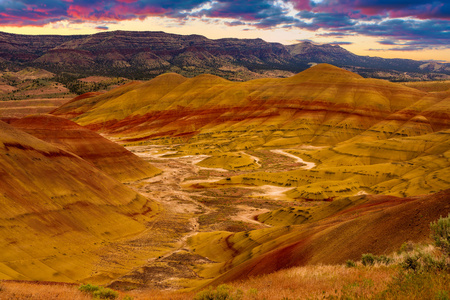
<point x="107" y="156"/>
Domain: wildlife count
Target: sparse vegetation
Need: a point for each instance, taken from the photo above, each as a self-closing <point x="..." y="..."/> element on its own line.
<point x="368" y="259"/>
<point x="222" y="292"/>
<point x="440" y="232"/>
<point x="88" y="288"/>
<point x="350" y="264"/>
<point x="98" y="291"/>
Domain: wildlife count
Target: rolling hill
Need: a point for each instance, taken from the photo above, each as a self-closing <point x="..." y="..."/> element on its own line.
<point x="379" y="151"/>
<point x="357" y="165"/>
<point x="59" y="212"/>
<point x="105" y="155"/>
<point x="370" y="135"/>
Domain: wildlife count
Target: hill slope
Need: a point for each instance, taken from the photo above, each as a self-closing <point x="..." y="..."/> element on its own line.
<point x="330" y="234"/>
<point x="350" y="117"/>
<point x="107" y="156"/>
<point x="58" y="211"/>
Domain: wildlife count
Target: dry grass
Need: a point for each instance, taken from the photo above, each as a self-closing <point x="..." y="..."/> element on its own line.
<point x="38" y="290"/>
<point x="312" y="282"/>
<point x="308" y="282"/>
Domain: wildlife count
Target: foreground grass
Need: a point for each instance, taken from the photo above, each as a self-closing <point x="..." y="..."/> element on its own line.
<point x="420" y="273"/>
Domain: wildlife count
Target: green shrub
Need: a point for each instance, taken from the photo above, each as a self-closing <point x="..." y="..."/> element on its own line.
<point x="417" y="285"/>
<point x="406" y="247"/>
<point x="223" y="292"/>
<point x="383" y="259"/>
<point x="432" y="264"/>
<point x="411" y="263"/>
<point x="350" y="264"/>
<point x="105" y="293"/>
<point x="368" y="259"/>
<point x="440" y="233"/>
<point x="98" y="291"/>
<point x="89" y="288"/>
<point x="441" y="295"/>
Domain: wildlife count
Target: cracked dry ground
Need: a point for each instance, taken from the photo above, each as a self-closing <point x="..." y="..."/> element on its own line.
<point x="160" y="255"/>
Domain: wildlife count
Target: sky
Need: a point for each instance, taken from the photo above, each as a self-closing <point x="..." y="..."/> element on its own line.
<point x="415" y="29"/>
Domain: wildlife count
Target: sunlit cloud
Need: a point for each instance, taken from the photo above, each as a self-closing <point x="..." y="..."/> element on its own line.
<point x="417" y="24"/>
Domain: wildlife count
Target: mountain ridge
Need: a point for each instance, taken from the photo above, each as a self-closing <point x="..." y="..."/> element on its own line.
<point x="146" y="54"/>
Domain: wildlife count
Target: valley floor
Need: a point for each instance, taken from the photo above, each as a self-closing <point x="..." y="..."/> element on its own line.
<point x="164" y="264"/>
<point x="184" y="212"/>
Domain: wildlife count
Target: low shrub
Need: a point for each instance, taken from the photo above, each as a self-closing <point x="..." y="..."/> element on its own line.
<point x="417" y="285"/>
<point x="98" y="291"/>
<point x="383" y="259"/>
<point x="440" y="233"/>
<point x="89" y="288"/>
<point x="105" y="293"/>
<point x="350" y="264"/>
<point x="406" y="247"/>
<point x="223" y="292"/>
<point x="411" y="263"/>
<point x="368" y="259"/>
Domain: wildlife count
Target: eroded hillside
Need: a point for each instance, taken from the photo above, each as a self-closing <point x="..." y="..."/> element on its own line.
<point x="373" y="136"/>
<point x="59" y="212"/>
<point x="254" y="177"/>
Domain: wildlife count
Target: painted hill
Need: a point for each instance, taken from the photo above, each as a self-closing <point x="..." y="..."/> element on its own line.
<point x="330" y="234"/>
<point x="59" y="212"/>
<point x="139" y="55"/>
<point x="107" y="156"/>
<point x="349" y="117"/>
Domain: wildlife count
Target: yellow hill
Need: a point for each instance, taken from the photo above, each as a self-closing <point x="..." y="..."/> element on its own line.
<point x="59" y="212"/>
<point x="380" y="131"/>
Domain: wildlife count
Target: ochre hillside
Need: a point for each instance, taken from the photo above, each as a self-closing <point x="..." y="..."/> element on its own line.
<point x="330" y="234"/>
<point x="107" y="156"/>
<point x="59" y="212"/>
<point x="323" y="105"/>
<point x="256" y="177"/>
<point x="374" y="136"/>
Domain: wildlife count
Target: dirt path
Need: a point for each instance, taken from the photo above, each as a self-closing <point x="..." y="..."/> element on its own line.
<point x="308" y="165"/>
<point x="271" y="192"/>
<point x="248" y="214"/>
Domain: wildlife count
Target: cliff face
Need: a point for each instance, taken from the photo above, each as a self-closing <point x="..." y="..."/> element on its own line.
<point x="147" y="54"/>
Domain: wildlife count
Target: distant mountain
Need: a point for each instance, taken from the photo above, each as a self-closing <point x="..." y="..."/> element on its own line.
<point x="141" y="55"/>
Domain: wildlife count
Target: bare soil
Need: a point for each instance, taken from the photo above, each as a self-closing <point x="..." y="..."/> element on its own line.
<point x="184" y="212"/>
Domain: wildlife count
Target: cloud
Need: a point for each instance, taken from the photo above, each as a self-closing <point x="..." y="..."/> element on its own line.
<point x="422" y="9"/>
<point x="28" y="12"/>
<point x="341" y="43"/>
<point x="416" y="23"/>
<point x="409" y="34"/>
